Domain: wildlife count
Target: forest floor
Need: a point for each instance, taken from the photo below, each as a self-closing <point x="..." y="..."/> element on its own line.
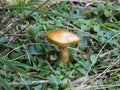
<point x="28" y="61"/>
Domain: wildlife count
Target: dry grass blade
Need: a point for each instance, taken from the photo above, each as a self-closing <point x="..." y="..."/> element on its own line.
<point x="28" y="83"/>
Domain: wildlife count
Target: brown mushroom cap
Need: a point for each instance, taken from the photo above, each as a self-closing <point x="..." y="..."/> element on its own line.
<point x="62" y="38"/>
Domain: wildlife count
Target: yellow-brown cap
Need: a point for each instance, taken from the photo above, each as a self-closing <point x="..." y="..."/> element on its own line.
<point x="62" y="38"/>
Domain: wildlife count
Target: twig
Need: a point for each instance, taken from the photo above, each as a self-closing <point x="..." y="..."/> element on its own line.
<point x="34" y="74"/>
<point x="103" y="86"/>
<point x="71" y="72"/>
<point x="114" y="70"/>
<point x="28" y="83"/>
<point x="24" y="81"/>
<point x="16" y="35"/>
<point x="85" y="1"/>
<point x="104" y="54"/>
<point x="107" y="69"/>
<point x="50" y="67"/>
<point x="70" y="76"/>
<point x="80" y="80"/>
<point x="116" y="35"/>
<point x="82" y="87"/>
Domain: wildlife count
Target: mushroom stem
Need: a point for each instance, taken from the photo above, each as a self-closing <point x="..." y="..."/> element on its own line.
<point x="64" y="54"/>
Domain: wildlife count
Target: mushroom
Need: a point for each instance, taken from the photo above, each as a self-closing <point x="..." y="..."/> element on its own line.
<point x="62" y="38"/>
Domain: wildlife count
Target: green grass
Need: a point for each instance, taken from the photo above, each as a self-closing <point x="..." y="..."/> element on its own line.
<point x="25" y="52"/>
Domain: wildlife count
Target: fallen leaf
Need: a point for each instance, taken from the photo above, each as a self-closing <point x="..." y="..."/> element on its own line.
<point x="40" y="5"/>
